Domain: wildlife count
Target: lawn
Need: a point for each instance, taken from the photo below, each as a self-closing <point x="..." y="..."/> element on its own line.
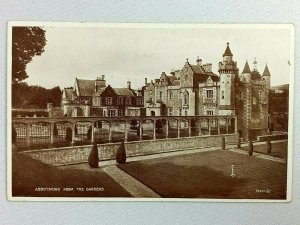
<point x="206" y="175"/>
<point x="28" y="175"/>
<point x="279" y="149"/>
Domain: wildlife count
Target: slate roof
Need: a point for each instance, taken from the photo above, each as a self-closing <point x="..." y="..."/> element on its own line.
<point x="227" y="51"/>
<point x="246" y="68"/>
<point x="86" y="87"/>
<point x="176" y="83"/>
<point x="266" y="71"/>
<point x="99" y="92"/>
<point x="123" y="91"/>
<point x="197" y="69"/>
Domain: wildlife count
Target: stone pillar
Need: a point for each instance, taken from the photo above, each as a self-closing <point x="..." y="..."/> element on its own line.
<point x="154" y="129"/>
<point x="125" y="132"/>
<point x="109" y="133"/>
<point x="219" y="131"/>
<point x="190" y="129"/>
<point x="235" y="125"/>
<point x="167" y="129"/>
<point x="27" y="134"/>
<point x="209" y="126"/>
<point x="141" y="130"/>
<point x="178" y="128"/>
<point x="200" y="133"/>
<point x="226" y="126"/>
<point x="52" y="133"/>
<point x="73" y="133"/>
<point x="92" y="134"/>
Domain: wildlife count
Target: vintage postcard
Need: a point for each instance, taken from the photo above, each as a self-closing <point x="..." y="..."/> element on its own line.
<point x="184" y="112"/>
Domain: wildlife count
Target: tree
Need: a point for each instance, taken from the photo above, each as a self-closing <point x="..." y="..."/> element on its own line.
<point x="27" y="42"/>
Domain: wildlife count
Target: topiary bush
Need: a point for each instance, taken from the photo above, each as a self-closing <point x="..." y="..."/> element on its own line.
<point x="269" y="147"/>
<point x="250" y="148"/>
<point x="121" y="154"/>
<point x="68" y="134"/>
<point x="14" y="135"/>
<point x="223" y="142"/>
<point x="94" y="157"/>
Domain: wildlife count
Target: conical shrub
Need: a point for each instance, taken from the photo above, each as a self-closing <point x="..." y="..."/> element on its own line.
<point x="250" y="148"/>
<point x="269" y="147"/>
<point x="94" y="157"/>
<point x="121" y="154"/>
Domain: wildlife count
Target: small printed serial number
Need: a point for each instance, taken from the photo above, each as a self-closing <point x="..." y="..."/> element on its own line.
<point x="263" y="191"/>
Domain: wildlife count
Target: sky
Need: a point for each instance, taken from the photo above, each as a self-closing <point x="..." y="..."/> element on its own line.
<point x="127" y="53"/>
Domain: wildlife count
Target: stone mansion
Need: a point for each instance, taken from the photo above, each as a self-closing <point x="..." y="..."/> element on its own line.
<point x="196" y="90"/>
<point x="191" y="91"/>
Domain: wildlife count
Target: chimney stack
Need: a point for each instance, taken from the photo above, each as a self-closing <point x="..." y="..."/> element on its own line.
<point x="128" y="84"/>
<point x="199" y="61"/>
<point x="145" y="81"/>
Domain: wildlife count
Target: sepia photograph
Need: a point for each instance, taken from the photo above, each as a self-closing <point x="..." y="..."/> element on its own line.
<point x="152" y="112"/>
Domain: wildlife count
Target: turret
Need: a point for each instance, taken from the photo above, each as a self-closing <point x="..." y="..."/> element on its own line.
<point x="227" y="56"/>
<point x="266" y="76"/>
<point x="246" y="73"/>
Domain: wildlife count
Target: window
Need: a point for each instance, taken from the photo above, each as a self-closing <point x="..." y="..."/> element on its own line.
<point x="209" y="112"/>
<point x="209" y="93"/>
<point x="171" y="95"/>
<point x="120" y="112"/>
<point x="170" y="111"/>
<point x="150" y="92"/>
<point x="160" y="95"/>
<point x="223" y="95"/>
<point x="119" y="101"/>
<point x="108" y="100"/>
<point x="96" y="101"/>
<point x="186" y="113"/>
<point x="111" y="113"/>
<point x="140" y="101"/>
<point x="186" y="98"/>
<point x="128" y="101"/>
<point x="180" y="112"/>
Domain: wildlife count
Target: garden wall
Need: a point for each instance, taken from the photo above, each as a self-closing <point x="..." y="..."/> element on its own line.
<point x="79" y="154"/>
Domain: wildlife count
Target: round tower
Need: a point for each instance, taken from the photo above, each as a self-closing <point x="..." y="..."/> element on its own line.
<point x="228" y="71"/>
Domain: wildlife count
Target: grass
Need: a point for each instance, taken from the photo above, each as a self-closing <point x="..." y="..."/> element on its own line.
<point x="279" y="149"/>
<point x="207" y="175"/>
<point x="29" y="174"/>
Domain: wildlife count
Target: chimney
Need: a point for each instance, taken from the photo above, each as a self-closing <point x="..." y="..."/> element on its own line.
<point x="99" y="83"/>
<point x="145" y="81"/>
<point x="128" y="84"/>
<point x="199" y="61"/>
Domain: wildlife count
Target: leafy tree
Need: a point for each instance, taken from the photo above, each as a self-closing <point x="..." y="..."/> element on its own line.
<point x="27" y="42"/>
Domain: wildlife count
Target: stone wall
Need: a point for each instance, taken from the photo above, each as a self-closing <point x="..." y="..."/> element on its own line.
<point x="79" y="154"/>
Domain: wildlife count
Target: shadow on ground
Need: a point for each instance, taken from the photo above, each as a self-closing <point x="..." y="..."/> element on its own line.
<point x="29" y="174"/>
